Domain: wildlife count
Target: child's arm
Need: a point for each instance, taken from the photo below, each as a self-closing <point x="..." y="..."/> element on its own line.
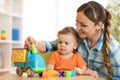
<point x="50" y="67"/>
<point x="51" y="61"/>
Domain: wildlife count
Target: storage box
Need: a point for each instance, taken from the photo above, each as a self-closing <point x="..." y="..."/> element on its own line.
<point x="15" y="34"/>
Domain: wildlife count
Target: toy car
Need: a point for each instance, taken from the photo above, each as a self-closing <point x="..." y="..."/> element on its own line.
<point x="28" y="61"/>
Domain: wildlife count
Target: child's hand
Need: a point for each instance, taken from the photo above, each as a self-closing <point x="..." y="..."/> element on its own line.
<point x="28" y="42"/>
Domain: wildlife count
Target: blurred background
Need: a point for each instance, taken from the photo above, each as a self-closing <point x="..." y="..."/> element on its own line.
<point x="51" y="15"/>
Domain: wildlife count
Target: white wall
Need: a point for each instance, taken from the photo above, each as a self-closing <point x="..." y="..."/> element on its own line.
<point x="49" y="16"/>
<point x="39" y="14"/>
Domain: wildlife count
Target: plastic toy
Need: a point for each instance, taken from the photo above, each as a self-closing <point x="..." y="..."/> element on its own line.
<point x="67" y="73"/>
<point x="45" y="75"/>
<point x="28" y="61"/>
<point x="3" y="35"/>
<point x="61" y="73"/>
<point x="52" y="72"/>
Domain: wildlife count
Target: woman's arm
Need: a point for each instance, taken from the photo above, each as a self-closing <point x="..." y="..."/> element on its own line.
<point x="42" y="46"/>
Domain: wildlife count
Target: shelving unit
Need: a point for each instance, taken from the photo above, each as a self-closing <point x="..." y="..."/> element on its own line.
<point x="10" y="18"/>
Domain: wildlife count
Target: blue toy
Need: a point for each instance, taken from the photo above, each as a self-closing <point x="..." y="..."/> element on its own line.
<point x="28" y="61"/>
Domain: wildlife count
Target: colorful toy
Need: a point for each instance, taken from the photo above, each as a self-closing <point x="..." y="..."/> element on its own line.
<point x="3" y="35"/>
<point x="15" y="34"/>
<point x="28" y="61"/>
<point x="45" y="75"/>
<point x="52" y="72"/>
<point x="61" y="73"/>
<point x="73" y="73"/>
<point x="67" y="73"/>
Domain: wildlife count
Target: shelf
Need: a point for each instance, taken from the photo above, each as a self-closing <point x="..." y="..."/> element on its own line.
<point x="9" y="41"/>
<point x="4" y="70"/>
<point x="17" y="15"/>
<point x="17" y="42"/>
<point x="4" y="12"/>
<point x="13" y="70"/>
<point x="10" y="18"/>
<point x="5" y="41"/>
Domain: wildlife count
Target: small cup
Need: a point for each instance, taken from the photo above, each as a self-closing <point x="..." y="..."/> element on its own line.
<point x="67" y="74"/>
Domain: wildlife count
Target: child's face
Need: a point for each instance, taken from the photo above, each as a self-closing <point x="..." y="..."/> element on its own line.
<point x="66" y="43"/>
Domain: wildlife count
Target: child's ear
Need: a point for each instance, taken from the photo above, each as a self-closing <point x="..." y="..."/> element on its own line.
<point x="75" y="46"/>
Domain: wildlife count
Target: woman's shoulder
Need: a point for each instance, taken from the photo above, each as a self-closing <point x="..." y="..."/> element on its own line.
<point x="114" y="42"/>
<point x="114" y="45"/>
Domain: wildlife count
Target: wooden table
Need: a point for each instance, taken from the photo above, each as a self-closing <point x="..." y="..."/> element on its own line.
<point x="9" y="76"/>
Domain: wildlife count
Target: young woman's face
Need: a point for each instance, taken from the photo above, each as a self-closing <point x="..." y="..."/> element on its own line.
<point x="66" y="43"/>
<point x="85" y="27"/>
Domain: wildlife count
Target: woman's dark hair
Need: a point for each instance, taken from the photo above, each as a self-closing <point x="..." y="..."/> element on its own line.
<point x="97" y="13"/>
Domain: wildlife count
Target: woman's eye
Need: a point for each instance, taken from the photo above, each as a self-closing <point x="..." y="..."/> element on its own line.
<point x="83" y="25"/>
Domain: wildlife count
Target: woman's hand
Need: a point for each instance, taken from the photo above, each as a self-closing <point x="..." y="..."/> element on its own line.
<point x="92" y="73"/>
<point x="41" y="46"/>
<point x="29" y="41"/>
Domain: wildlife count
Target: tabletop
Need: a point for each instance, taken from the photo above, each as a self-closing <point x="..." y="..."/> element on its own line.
<point x="9" y="76"/>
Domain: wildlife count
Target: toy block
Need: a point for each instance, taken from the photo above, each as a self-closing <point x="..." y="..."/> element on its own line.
<point x="61" y="73"/>
<point x="3" y="31"/>
<point x="34" y="50"/>
<point x="73" y="73"/>
<point x="52" y="73"/>
<point x="3" y="35"/>
<point x="2" y="38"/>
<point x="45" y="75"/>
<point x="67" y="74"/>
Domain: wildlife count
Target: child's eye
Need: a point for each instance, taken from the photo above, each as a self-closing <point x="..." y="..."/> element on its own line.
<point x="60" y="42"/>
<point x="66" y="43"/>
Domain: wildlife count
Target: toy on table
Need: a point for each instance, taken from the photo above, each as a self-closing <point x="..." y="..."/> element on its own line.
<point x="67" y="73"/>
<point x="52" y="73"/>
<point x="28" y="61"/>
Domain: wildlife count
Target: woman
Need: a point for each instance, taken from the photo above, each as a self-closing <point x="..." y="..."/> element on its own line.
<point x="98" y="48"/>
